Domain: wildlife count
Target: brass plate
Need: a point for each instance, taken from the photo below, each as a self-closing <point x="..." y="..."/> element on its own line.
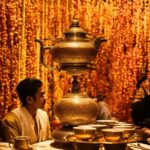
<point x="101" y="140"/>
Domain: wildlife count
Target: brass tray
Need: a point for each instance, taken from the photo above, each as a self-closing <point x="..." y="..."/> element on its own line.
<point x="96" y="143"/>
<point x="101" y="140"/>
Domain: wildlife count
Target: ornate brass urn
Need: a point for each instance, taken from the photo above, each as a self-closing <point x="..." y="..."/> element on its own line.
<point x="75" y="51"/>
<point x="73" y="109"/>
<point x="76" y="109"/>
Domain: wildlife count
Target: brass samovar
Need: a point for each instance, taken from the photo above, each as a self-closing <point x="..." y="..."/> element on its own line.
<point x="74" y="52"/>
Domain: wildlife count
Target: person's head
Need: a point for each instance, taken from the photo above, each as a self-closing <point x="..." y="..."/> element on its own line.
<point x="140" y="110"/>
<point x="31" y="92"/>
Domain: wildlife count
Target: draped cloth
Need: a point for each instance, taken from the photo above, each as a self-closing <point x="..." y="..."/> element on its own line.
<point x="104" y="112"/>
<point x="20" y="123"/>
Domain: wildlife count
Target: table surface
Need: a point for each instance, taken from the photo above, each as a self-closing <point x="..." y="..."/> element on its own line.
<point x="46" y="145"/>
<point x="51" y="145"/>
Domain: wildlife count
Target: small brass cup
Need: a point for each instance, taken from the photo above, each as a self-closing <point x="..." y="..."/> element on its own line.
<point x="20" y="143"/>
<point x="113" y="135"/>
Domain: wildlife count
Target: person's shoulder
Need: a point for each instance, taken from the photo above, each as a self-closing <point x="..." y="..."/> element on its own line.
<point x="102" y="103"/>
<point x="10" y="118"/>
<point x="11" y="114"/>
<point x="42" y="112"/>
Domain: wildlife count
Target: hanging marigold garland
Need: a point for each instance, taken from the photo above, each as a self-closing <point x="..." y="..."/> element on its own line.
<point x="120" y="63"/>
<point x="3" y="45"/>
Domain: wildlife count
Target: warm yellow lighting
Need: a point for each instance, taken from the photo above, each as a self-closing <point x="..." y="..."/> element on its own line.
<point x="76" y="99"/>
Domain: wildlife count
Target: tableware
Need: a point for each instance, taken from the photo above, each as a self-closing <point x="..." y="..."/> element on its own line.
<point x="60" y="134"/>
<point x="99" y="128"/>
<point x="84" y="132"/>
<point x="85" y="145"/>
<point x="113" y="135"/>
<point x="79" y="144"/>
<point x="76" y="109"/>
<point x="75" y="51"/>
<point x="20" y="143"/>
<point x="148" y="140"/>
<point x="106" y="122"/>
<point x="115" y="146"/>
<point x="96" y="143"/>
<point x="125" y="125"/>
<point x="138" y="146"/>
<point x="128" y="132"/>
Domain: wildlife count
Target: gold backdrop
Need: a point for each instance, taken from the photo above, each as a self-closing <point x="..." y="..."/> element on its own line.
<point x="121" y="61"/>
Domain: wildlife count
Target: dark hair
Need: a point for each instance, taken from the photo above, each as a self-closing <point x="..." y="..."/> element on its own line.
<point x="28" y="87"/>
<point x="100" y="97"/>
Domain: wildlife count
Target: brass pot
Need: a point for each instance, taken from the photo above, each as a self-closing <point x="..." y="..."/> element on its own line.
<point x="20" y="142"/>
<point x="76" y="109"/>
<point x="75" y="51"/>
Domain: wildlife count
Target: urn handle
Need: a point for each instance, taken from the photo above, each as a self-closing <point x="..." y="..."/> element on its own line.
<point x="97" y="41"/>
<point x="42" y="52"/>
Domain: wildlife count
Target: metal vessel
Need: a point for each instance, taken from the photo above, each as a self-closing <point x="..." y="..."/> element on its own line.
<point x="76" y="109"/>
<point x="75" y="51"/>
<point x="73" y="109"/>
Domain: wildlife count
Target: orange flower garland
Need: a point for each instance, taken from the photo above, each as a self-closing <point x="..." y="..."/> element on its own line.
<point x="120" y="62"/>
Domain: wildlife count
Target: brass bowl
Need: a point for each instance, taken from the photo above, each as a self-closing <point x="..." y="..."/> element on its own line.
<point x="107" y="122"/>
<point x="99" y="128"/>
<point x="123" y="127"/>
<point x="84" y="132"/>
<point x="113" y="135"/>
<point x="124" y="124"/>
<point x="128" y="132"/>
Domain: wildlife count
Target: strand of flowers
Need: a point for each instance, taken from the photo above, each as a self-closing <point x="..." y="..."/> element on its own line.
<point x="11" y="24"/>
<point x="148" y="40"/>
<point x="118" y="82"/>
<point x="48" y="60"/>
<point x="67" y="13"/>
<point x="38" y="32"/>
<point x="59" y="19"/>
<point x="22" y="46"/>
<point x="41" y="6"/>
<point x="71" y="9"/>
<point x="51" y="19"/>
<point x="14" y="53"/>
<point x="147" y="35"/>
<point x="3" y="44"/>
<point x="45" y="12"/>
<point x="89" y="14"/>
<point x="64" y="17"/>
